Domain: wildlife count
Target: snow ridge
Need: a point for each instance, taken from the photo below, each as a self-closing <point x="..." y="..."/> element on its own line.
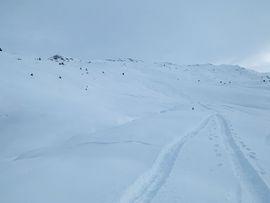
<point x="147" y="185"/>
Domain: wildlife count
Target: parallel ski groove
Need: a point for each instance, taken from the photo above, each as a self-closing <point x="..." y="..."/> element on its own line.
<point x="248" y="176"/>
<point x="147" y="185"/>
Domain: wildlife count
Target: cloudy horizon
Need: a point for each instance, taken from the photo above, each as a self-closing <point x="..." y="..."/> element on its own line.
<point x="185" y="32"/>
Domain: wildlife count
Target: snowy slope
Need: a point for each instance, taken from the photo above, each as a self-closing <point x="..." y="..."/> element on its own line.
<point x="123" y="131"/>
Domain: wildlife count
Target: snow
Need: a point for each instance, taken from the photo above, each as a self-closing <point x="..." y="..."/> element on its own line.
<point x="86" y="132"/>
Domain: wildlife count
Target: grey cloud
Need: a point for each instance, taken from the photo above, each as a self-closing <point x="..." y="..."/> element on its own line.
<point x="182" y="31"/>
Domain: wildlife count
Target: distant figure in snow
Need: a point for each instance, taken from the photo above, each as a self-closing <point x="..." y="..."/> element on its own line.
<point x="32" y="74"/>
<point x="123" y="73"/>
<point x="192" y="108"/>
<point x="1" y="49"/>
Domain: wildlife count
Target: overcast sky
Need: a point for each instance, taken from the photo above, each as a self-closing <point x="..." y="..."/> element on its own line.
<point x="181" y="31"/>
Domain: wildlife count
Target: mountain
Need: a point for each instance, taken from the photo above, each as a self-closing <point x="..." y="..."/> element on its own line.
<point x="125" y="130"/>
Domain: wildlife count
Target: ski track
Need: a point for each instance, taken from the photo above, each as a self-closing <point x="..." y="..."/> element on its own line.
<point x="147" y="185"/>
<point x="248" y="176"/>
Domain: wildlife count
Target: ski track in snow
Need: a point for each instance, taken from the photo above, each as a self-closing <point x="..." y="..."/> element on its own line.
<point x="147" y="185"/>
<point x="248" y="176"/>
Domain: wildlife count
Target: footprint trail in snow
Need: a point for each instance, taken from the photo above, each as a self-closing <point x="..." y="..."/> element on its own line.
<point x="248" y="177"/>
<point x="147" y="185"/>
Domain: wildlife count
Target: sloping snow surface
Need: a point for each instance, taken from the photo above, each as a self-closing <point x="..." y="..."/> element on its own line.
<point x="128" y="131"/>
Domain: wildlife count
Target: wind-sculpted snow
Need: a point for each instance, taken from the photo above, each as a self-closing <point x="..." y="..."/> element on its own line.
<point x="146" y="186"/>
<point x="53" y="151"/>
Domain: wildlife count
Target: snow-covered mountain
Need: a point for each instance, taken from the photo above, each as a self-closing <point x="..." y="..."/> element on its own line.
<point x="129" y="131"/>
